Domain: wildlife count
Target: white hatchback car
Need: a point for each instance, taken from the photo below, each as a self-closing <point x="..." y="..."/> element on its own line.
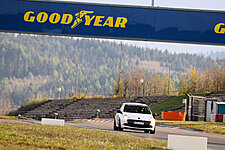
<point x="135" y="116"/>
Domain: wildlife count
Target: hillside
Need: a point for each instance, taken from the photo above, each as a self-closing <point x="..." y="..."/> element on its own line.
<point x="34" y="66"/>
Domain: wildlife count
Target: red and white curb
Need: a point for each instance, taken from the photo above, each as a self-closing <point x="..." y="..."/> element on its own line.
<point x="100" y="120"/>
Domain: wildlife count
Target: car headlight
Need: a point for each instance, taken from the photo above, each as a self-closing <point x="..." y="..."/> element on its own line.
<point x="126" y="117"/>
<point x="151" y="118"/>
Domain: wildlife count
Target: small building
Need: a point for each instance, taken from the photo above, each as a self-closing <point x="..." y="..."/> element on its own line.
<point x="204" y="108"/>
<point x="221" y="107"/>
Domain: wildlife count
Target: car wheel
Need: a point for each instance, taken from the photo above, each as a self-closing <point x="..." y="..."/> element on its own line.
<point x="114" y="126"/>
<point x="152" y="131"/>
<point x="120" y="129"/>
<point x="146" y="131"/>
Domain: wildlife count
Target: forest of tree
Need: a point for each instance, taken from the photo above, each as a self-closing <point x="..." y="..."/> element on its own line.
<point x="138" y="83"/>
<point x="209" y="80"/>
<point x="35" y="66"/>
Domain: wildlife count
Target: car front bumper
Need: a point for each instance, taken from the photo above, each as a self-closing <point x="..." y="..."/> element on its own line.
<point x="138" y="125"/>
<point x="136" y="128"/>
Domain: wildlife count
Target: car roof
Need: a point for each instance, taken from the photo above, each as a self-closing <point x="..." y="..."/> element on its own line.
<point x="138" y="104"/>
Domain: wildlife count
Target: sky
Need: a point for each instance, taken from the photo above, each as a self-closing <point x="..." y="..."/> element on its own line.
<point x="194" y="4"/>
<point x="190" y="4"/>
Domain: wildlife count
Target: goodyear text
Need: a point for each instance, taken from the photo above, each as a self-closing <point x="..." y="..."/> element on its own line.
<point x="220" y="28"/>
<point x="78" y="18"/>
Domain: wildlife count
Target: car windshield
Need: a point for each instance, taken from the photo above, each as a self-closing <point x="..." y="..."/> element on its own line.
<point x="137" y="109"/>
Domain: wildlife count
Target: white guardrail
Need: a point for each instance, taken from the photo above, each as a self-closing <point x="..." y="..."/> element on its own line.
<point x="178" y="142"/>
<point x="55" y="122"/>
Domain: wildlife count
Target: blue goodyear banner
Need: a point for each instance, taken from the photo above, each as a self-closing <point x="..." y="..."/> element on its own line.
<point x="118" y="22"/>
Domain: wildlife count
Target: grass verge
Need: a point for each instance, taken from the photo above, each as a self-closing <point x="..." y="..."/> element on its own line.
<point x="14" y="118"/>
<point x="213" y="127"/>
<point x="9" y="117"/>
<point x="170" y="104"/>
<point x="21" y="136"/>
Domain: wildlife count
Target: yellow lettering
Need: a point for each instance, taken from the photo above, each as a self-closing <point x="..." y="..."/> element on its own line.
<point x="219" y="29"/>
<point x="66" y="19"/>
<point x="28" y="18"/>
<point x="88" y="20"/>
<point x="109" y="22"/>
<point x="98" y="20"/>
<point x="42" y="17"/>
<point x="121" y="22"/>
<point x="54" y="18"/>
<point x="95" y="20"/>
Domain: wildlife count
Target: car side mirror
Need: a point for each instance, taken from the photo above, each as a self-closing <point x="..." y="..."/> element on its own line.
<point x="155" y="114"/>
<point x="119" y="111"/>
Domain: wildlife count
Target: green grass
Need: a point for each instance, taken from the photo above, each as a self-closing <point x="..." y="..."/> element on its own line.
<point x="170" y="104"/>
<point x="14" y="118"/>
<point x="201" y="94"/>
<point x="175" y="102"/>
<point x="213" y="127"/>
<point x="21" y="136"/>
<point x="9" y="117"/>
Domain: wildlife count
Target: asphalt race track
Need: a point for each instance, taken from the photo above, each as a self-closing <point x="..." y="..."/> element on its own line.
<point x="215" y="141"/>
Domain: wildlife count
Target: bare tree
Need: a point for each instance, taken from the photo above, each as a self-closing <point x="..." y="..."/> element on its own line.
<point x="5" y="106"/>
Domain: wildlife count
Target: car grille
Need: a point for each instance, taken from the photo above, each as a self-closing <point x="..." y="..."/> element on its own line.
<point x="131" y="124"/>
